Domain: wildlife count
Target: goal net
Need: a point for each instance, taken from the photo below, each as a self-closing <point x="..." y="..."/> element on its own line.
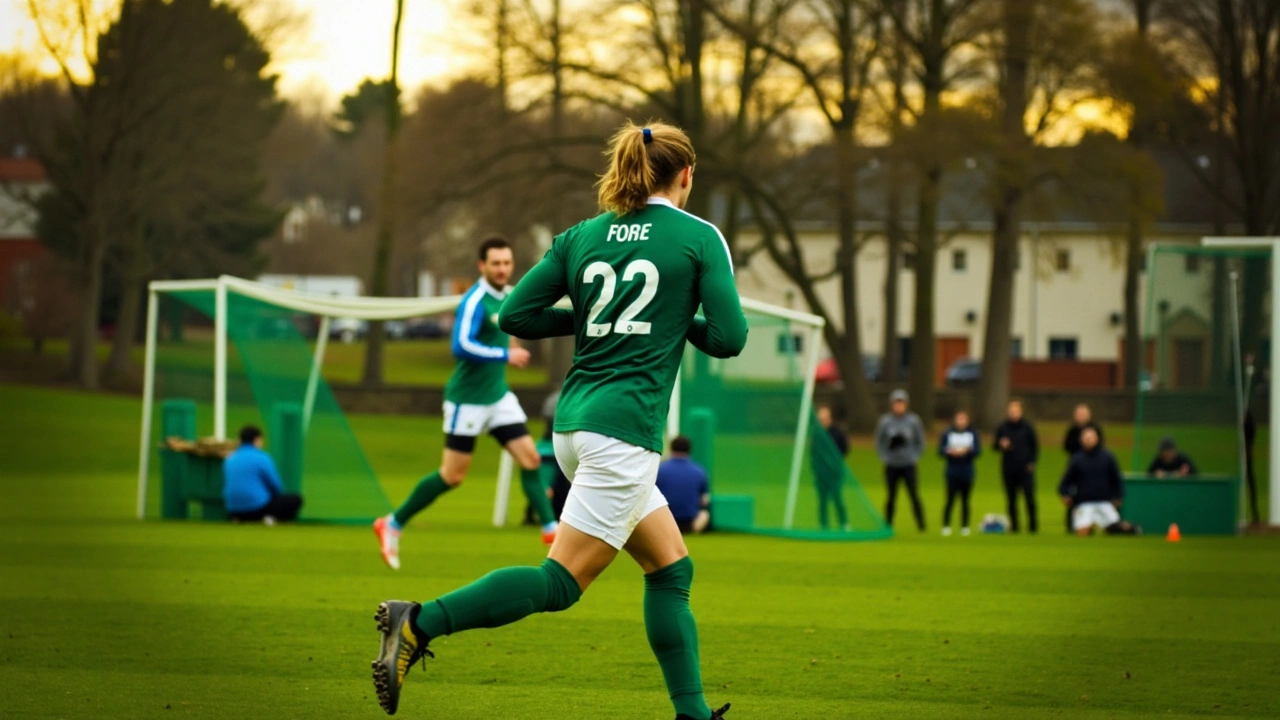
<point x="1203" y="324"/>
<point x="751" y="423"/>
<point x="229" y="352"/>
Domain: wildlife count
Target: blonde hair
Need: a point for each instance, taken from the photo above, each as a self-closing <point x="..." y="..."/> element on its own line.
<point x="642" y="161"/>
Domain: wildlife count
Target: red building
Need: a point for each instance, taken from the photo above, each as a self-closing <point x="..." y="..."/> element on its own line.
<point x="21" y="179"/>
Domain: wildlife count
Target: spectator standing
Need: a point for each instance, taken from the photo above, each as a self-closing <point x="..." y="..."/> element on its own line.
<point x="1092" y="486"/>
<point x="1170" y="462"/>
<point x="959" y="446"/>
<point x="828" y="468"/>
<point x="251" y="488"/>
<point x="1016" y="441"/>
<point x="1081" y="418"/>
<point x="684" y="484"/>
<point x="900" y="444"/>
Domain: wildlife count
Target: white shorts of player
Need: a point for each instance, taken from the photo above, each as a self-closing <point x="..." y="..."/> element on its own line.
<point x="475" y="420"/>
<point x="614" y="484"/>
<point x="1086" y="515"/>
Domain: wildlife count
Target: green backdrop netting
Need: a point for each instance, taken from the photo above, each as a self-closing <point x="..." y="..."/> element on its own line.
<point x="747" y="410"/>
<point x="1189" y="391"/>
<point x="268" y="364"/>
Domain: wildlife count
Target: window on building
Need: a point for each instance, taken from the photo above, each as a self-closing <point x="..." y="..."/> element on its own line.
<point x="1063" y="260"/>
<point x="1064" y="349"/>
<point x="959" y="260"/>
<point x="908" y="259"/>
<point x="790" y="344"/>
<point x="1191" y="263"/>
<point x="1015" y="348"/>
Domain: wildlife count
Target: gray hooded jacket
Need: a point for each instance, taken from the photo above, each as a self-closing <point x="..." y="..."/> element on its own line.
<point x="900" y="439"/>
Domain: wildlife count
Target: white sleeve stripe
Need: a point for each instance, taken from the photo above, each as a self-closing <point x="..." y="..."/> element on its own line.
<point x="719" y="234"/>
<point x="464" y="338"/>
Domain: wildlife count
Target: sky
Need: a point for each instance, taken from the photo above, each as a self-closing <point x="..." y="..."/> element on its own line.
<point x="345" y="41"/>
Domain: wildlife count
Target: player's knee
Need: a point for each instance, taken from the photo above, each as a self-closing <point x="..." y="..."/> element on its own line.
<point x="453" y="477"/>
<point x="562" y="587"/>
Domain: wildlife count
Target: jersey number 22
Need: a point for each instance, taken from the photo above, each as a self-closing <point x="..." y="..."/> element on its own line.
<point x="627" y="323"/>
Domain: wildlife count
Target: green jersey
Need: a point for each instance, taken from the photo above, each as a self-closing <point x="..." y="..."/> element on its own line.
<point x="635" y="282"/>
<point x="480" y="346"/>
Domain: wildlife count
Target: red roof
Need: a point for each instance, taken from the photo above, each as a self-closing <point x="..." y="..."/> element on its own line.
<point x="21" y="170"/>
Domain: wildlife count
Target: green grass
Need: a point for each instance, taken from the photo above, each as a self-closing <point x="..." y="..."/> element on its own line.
<point x="102" y="616"/>
<point x="427" y="362"/>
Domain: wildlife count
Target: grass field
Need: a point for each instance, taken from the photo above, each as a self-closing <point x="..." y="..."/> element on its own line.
<point x="102" y="616"/>
<point x="426" y="362"/>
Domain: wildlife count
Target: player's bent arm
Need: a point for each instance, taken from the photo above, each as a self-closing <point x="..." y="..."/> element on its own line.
<point x="466" y="330"/>
<point x="528" y="312"/>
<point x="722" y="331"/>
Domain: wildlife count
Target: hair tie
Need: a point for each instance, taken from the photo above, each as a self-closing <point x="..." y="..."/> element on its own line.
<point x="648" y="136"/>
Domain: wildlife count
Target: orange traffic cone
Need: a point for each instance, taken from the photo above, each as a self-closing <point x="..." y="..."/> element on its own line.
<point x="1174" y="533"/>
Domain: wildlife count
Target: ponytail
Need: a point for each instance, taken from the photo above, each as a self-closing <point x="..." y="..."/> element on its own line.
<point x="642" y="161"/>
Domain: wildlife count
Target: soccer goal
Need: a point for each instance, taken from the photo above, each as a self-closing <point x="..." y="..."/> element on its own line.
<point x="1197" y="381"/>
<point x="226" y="352"/>
<point x="751" y="423"/>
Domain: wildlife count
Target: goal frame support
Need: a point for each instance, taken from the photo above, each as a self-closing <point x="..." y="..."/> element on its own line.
<point x="325" y="307"/>
<point x="1273" y="244"/>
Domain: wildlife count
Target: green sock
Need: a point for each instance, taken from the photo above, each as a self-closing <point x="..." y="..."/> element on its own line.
<point x="673" y="635"/>
<point x="500" y="598"/>
<point x="429" y="488"/>
<point x="536" y="492"/>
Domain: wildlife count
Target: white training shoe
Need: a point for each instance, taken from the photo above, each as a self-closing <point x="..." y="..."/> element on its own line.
<point x="269" y="520"/>
<point x="946" y="531"/>
<point x="964" y="531"/>
<point x="388" y="542"/>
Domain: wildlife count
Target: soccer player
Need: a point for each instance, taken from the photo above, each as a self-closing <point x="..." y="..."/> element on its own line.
<point x="476" y="400"/>
<point x="635" y="275"/>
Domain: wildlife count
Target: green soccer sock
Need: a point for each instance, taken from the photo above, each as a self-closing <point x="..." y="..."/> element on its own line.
<point x="536" y="492"/>
<point x="500" y="598"/>
<point x="673" y="635"/>
<point x="429" y="488"/>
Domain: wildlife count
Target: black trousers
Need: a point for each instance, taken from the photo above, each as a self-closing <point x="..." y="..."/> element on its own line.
<point x="906" y="476"/>
<point x="283" y="508"/>
<point x="1024" y="481"/>
<point x="957" y="489"/>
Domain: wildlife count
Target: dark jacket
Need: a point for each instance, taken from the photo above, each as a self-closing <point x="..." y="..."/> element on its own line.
<point x="1071" y="443"/>
<point x="1172" y="468"/>
<point x="1092" y="476"/>
<point x="1024" y="447"/>
<point x="827" y="464"/>
<point x="840" y="438"/>
<point x="960" y="467"/>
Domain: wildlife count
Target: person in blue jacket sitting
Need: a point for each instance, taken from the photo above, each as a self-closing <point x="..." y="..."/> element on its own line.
<point x="251" y="488"/>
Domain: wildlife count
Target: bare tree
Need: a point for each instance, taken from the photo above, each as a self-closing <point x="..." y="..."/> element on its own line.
<point x="1045" y="53"/>
<point x="373" y="359"/>
<point x="1233" y="47"/>
<point x="831" y="50"/>
<point x="938" y="33"/>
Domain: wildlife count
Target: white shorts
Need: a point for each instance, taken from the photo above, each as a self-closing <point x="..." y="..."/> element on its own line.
<point x="475" y="420"/>
<point x="614" y="484"/>
<point x="1086" y="515"/>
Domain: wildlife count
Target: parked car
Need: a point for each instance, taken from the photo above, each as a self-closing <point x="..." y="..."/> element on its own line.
<point x="425" y="329"/>
<point x="347" y="329"/>
<point x="396" y="329"/>
<point x="829" y="372"/>
<point x="964" y="372"/>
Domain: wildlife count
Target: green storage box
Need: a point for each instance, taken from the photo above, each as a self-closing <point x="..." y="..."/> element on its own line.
<point x="1200" y="505"/>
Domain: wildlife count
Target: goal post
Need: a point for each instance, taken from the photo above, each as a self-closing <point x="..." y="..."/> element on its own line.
<point x="1272" y="245"/>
